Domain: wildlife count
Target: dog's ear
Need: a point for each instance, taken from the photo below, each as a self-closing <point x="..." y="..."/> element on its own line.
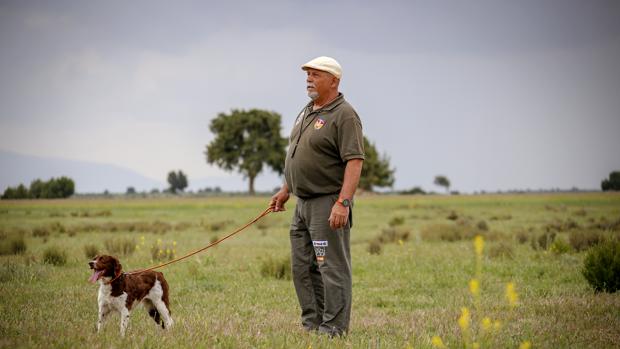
<point x="117" y="267"/>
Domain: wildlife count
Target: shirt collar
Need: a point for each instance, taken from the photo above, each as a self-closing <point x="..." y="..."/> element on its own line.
<point x="333" y="104"/>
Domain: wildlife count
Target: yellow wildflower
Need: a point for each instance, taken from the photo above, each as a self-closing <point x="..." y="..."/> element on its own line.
<point x="486" y="323"/>
<point x="174" y="243"/>
<point x="479" y="244"/>
<point x="476" y="345"/>
<point x="497" y="325"/>
<point x="437" y="342"/>
<point x="511" y="294"/>
<point x="525" y="345"/>
<point x="400" y="242"/>
<point x="464" y="319"/>
<point x="474" y="287"/>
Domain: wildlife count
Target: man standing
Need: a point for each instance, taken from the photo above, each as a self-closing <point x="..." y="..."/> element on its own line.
<point x="322" y="168"/>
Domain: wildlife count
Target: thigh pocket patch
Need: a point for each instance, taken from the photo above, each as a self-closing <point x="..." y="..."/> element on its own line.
<point x="320" y="250"/>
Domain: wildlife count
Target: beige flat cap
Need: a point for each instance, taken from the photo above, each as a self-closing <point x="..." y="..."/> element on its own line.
<point x="326" y="64"/>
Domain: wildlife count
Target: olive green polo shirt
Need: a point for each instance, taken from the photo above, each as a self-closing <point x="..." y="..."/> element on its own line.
<point x="321" y="143"/>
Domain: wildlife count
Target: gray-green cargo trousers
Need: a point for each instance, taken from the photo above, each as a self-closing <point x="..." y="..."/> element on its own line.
<point x="321" y="264"/>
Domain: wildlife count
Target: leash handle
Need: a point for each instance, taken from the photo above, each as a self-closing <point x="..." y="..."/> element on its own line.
<point x="138" y="271"/>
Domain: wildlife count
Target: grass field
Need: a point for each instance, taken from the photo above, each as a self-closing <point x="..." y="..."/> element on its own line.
<point x="412" y="288"/>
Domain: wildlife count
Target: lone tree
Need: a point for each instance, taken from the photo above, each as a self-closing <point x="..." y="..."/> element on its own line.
<point x="443" y="181"/>
<point x="611" y="183"/>
<point x="246" y="141"/>
<point x="177" y="181"/>
<point x="376" y="171"/>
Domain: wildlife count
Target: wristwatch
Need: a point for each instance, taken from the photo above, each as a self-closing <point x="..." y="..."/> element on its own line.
<point x="344" y="202"/>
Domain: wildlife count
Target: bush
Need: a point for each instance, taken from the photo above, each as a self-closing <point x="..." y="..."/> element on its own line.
<point x="501" y="250"/>
<point x="522" y="237"/>
<point x="393" y="235"/>
<point x="58" y="227"/>
<point x="90" y="251"/>
<point x="40" y="232"/>
<point x="16" y="245"/>
<point x="453" y="216"/>
<point x="55" y="256"/>
<point x="561" y="226"/>
<point x="543" y="241"/>
<point x="276" y="268"/>
<point x="560" y="246"/>
<point x="374" y="247"/>
<point x="219" y="225"/>
<point x="582" y="240"/>
<point x="482" y="225"/>
<point x="443" y="232"/>
<point x="505" y="217"/>
<point x="580" y="212"/>
<point x="399" y="220"/>
<point x="601" y="267"/>
<point x="119" y="246"/>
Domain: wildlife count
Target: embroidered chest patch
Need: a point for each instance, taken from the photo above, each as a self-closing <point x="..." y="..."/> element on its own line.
<point x="319" y="123"/>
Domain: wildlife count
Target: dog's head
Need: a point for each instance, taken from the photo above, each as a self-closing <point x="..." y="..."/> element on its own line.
<point x="104" y="267"/>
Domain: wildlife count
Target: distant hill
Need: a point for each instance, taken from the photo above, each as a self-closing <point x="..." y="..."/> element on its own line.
<point x="89" y="177"/>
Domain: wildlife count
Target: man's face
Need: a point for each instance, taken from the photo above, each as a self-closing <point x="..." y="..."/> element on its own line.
<point x="319" y="83"/>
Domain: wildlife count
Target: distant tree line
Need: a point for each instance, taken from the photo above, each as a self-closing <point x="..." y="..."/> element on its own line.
<point x="55" y="188"/>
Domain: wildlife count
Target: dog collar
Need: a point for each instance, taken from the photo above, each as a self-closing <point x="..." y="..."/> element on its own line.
<point x="116" y="277"/>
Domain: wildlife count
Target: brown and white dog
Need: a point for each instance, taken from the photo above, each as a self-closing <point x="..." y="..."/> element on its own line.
<point x="118" y="292"/>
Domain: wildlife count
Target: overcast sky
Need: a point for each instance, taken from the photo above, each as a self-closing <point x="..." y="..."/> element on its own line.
<point x="493" y="94"/>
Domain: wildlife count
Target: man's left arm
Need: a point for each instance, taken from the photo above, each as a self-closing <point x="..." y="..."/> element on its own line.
<point x="340" y="214"/>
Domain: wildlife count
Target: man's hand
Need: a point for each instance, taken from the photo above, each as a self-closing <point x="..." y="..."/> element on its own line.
<point x="278" y="200"/>
<point x="339" y="216"/>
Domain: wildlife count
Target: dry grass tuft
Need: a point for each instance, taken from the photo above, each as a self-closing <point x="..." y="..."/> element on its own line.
<point x="277" y="268"/>
<point x="502" y="250"/>
<point x="120" y="246"/>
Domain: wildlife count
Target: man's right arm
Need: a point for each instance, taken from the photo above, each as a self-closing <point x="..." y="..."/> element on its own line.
<point x="280" y="198"/>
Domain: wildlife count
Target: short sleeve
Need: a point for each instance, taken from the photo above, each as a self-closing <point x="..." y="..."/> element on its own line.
<point x="350" y="138"/>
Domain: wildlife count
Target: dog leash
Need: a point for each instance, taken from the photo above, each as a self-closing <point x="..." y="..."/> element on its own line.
<point x="138" y="271"/>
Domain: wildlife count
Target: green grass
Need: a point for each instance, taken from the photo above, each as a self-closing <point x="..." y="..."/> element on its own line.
<point x="402" y="297"/>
